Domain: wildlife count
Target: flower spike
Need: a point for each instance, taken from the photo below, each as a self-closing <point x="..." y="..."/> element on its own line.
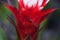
<point x="29" y="16"/>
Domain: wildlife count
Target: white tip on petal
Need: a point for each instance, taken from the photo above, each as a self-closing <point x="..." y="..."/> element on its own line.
<point x="47" y="1"/>
<point x="18" y="0"/>
<point x="26" y="2"/>
<point x="32" y="3"/>
<point x="40" y="8"/>
<point x="40" y="2"/>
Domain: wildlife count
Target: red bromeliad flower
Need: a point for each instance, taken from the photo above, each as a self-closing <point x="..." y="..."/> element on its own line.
<point x="29" y="15"/>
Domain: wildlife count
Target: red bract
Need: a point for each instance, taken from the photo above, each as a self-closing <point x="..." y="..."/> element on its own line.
<point x="29" y="15"/>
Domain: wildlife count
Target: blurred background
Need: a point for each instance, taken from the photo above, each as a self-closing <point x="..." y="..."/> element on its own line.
<point x="51" y="32"/>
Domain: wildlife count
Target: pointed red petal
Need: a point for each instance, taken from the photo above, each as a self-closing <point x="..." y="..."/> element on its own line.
<point x="45" y="13"/>
<point x="44" y="3"/>
<point x="12" y="9"/>
<point x="20" y="4"/>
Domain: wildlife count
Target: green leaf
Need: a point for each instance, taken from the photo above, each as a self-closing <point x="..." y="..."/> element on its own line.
<point x="2" y="35"/>
<point x="40" y="34"/>
<point x="4" y="12"/>
<point x="42" y="31"/>
<point x="43" y="23"/>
